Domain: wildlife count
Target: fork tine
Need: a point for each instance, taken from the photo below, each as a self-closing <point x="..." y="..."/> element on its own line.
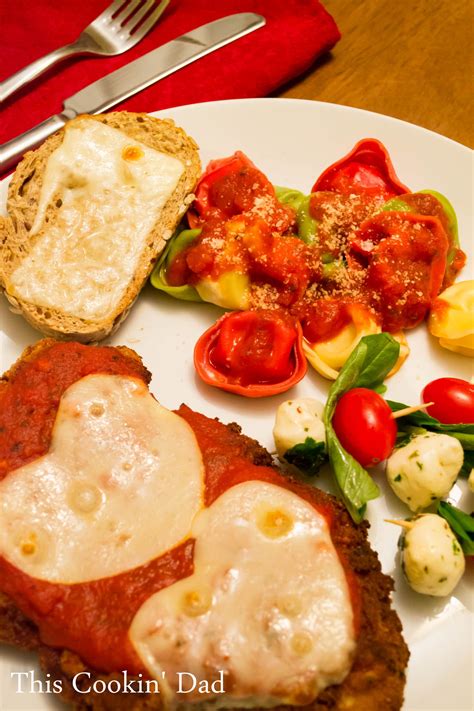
<point x="151" y="20"/>
<point x="109" y="11"/>
<point x="126" y="12"/>
<point x="133" y="21"/>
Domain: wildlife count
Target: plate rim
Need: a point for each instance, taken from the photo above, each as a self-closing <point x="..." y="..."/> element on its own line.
<point x="315" y="105"/>
<point x="314" y="102"/>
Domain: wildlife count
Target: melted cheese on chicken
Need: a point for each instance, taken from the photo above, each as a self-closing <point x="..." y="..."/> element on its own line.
<point x="120" y="485"/>
<point x="268" y="605"/>
<point x="108" y="191"/>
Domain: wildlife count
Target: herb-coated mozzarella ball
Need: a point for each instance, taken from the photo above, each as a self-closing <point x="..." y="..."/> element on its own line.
<point x="425" y="469"/>
<point x="296" y="420"/>
<point x="432" y="559"/>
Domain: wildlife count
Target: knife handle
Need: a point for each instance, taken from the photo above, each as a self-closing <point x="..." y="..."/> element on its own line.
<point x="12" y="151"/>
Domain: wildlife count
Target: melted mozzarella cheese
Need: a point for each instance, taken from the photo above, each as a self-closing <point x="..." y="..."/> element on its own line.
<point x="268" y="604"/>
<point x="109" y="192"/>
<point x="120" y="485"/>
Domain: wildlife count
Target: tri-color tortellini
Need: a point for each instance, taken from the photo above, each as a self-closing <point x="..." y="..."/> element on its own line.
<point x="327" y="357"/>
<point x="452" y="318"/>
<point x="357" y="255"/>
<point x="229" y="290"/>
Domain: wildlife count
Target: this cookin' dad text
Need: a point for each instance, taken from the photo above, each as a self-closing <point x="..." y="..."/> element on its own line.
<point x="83" y="683"/>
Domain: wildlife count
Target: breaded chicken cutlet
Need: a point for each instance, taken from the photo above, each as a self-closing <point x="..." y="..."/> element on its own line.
<point x="30" y="394"/>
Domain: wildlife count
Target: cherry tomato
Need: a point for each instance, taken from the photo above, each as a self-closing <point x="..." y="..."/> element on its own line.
<point x="453" y="400"/>
<point x="251" y="353"/>
<point x="365" y="426"/>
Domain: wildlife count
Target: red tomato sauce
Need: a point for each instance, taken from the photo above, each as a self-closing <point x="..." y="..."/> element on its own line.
<point x="246" y="244"/>
<point x="30" y="399"/>
<point x="325" y="319"/>
<point x="405" y="257"/>
<point x="93" y="618"/>
<point x="246" y="230"/>
<point x="337" y="216"/>
<point x="249" y="190"/>
<point x="393" y="262"/>
<point x="426" y="204"/>
<point x="255" y="347"/>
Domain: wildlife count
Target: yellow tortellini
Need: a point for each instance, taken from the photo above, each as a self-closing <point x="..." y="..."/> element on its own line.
<point x="328" y="357"/>
<point x="452" y="318"/>
<point x="231" y="291"/>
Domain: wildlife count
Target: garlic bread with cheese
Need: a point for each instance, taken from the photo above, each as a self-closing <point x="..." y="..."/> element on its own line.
<point x="89" y="212"/>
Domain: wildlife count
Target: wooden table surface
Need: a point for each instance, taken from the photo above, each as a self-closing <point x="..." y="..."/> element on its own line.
<point x="412" y="60"/>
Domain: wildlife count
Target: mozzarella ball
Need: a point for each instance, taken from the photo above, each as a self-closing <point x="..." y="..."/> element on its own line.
<point x="296" y="420"/>
<point x="425" y="469"/>
<point x="432" y="559"/>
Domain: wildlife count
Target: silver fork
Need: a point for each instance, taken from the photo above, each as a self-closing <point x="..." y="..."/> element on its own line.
<point x="112" y="32"/>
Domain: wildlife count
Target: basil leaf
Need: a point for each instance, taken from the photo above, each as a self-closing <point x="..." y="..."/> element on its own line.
<point x="468" y="463"/>
<point x="461" y="523"/>
<point x="463" y="432"/>
<point x="346" y="379"/>
<point x="367" y="366"/>
<point x="308" y="456"/>
<point x="355" y="484"/>
<point x="403" y="438"/>
<point x="467" y="440"/>
<point x="382" y="354"/>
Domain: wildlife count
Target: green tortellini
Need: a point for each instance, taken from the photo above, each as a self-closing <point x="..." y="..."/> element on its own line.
<point x="307" y="225"/>
<point x="176" y="244"/>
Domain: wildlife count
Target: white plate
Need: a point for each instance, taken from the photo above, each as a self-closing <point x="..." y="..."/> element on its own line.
<point x="292" y="142"/>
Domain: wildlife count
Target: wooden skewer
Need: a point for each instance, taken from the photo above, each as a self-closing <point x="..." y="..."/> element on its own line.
<point x="403" y="524"/>
<point x="410" y="410"/>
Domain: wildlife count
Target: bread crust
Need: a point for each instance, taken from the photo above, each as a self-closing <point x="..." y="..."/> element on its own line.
<point x="377" y="677"/>
<point x="22" y="203"/>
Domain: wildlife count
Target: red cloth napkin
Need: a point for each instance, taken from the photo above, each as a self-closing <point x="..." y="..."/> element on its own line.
<point x="296" y="33"/>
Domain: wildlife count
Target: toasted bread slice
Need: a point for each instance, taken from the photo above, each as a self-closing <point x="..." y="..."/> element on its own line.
<point x="41" y="246"/>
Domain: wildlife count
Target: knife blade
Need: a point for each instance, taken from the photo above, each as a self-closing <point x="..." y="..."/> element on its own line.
<point x="135" y="76"/>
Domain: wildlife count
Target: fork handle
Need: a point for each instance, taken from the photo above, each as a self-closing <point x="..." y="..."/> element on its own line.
<point x="12" y="151"/>
<point x="27" y="74"/>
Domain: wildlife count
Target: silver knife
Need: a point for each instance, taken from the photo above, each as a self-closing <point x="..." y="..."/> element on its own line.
<point x="135" y="76"/>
